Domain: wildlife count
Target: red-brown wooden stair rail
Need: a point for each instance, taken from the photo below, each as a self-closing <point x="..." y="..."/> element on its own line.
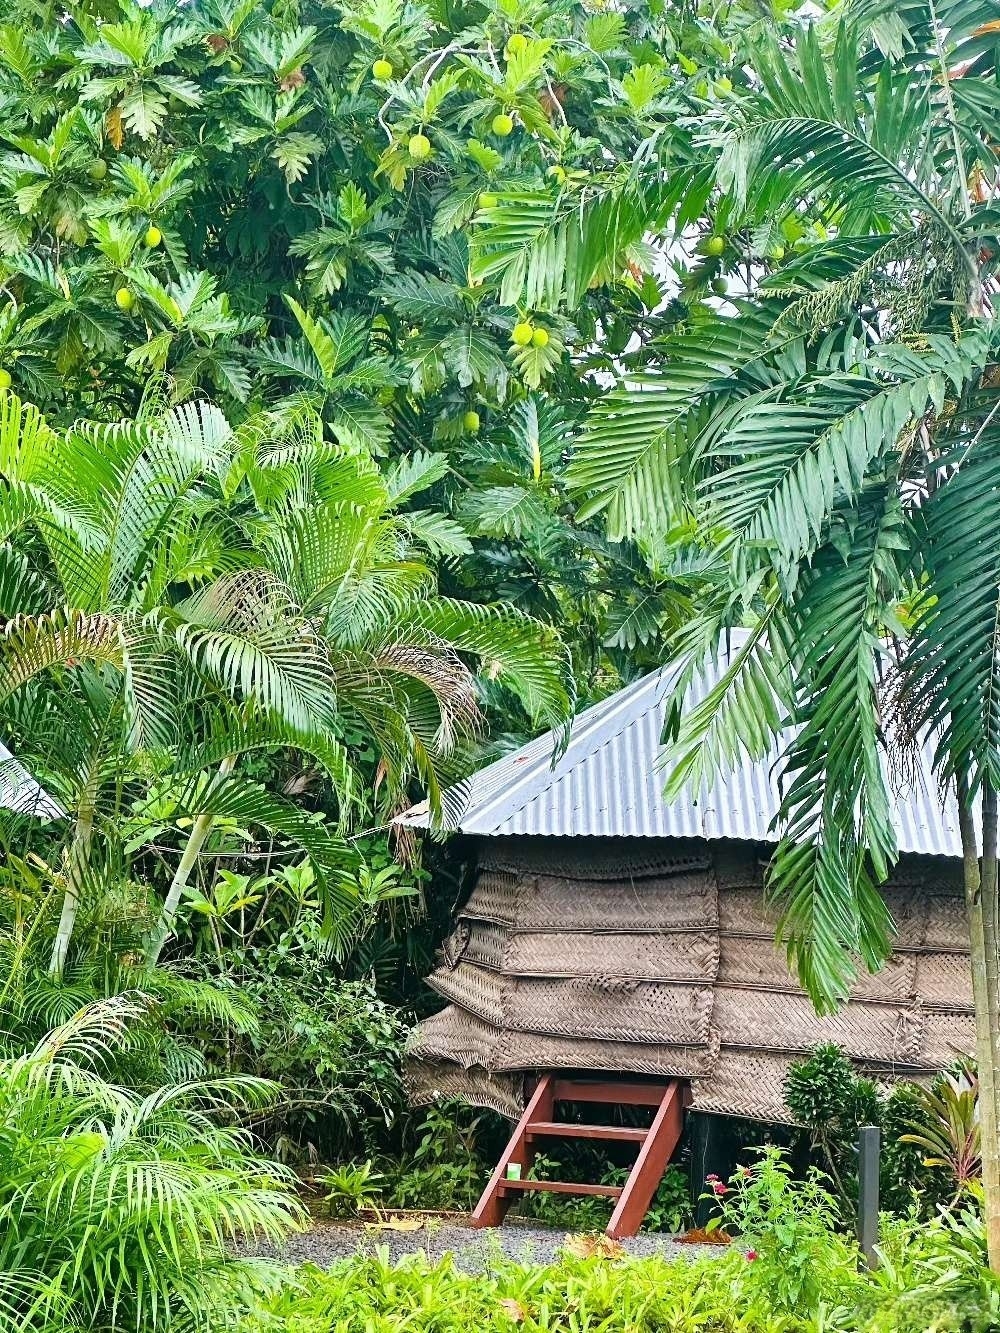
<point x="538" y="1122"/>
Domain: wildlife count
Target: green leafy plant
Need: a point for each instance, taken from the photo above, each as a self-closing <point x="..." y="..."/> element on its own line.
<point x="947" y="1131"/>
<point x="122" y="1209"/>
<point x="831" y="1101"/>
<point x="334" y="1045"/>
<point x="932" y="1277"/>
<point x="351" y="1189"/>
<point x="670" y="1211"/>
<point x="442" y="1169"/>
<point x="787" y="1229"/>
<point x="934" y="1274"/>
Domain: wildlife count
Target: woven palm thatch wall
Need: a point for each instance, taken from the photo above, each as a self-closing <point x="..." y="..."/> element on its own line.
<point x="658" y="957"/>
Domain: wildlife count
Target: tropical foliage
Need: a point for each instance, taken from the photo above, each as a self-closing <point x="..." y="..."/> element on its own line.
<point x="224" y="195"/>
<point x="830" y="1101"/>
<point x="202" y="594"/>
<point x="930" y="1277"/>
<point x="120" y="1209"/>
<point x="376" y="382"/>
<point x="833" y="428"/>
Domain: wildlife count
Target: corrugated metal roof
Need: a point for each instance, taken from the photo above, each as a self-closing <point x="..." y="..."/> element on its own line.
<point x="20" y="792"/>
<point x="609" y="783"/>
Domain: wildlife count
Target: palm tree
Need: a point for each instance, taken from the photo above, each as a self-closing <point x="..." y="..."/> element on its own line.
<point x="180" y="594"/>
<point x="121" y="1207"/>
<point x="837" y="431"/>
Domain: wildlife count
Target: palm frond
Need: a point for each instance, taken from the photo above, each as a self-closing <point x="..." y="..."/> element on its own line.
<point x="242" y="631"/>
<point x="952" y="665"/>
<point x="785" y="462"/>
<point x="742" y="713"/>
<point x="522" y="653"/>
<point x="32" y="644"/>
<point x="839" y="838"/>
<point x="627" y="463"/>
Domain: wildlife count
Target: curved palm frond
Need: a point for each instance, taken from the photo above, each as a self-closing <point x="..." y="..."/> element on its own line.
<point x="631" y="461"/>
<point x="951" y="671"/>
<point x="513" y="648"/>
<point x="128" y="1204"/>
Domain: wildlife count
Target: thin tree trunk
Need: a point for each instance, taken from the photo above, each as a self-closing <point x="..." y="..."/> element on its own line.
<point x="77" y="860"/>
<point x="985" y="1001"/>
<point x="991" y="940"/>
<point x="168" y="914"/>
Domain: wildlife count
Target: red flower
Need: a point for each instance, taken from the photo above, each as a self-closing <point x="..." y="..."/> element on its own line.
<point x="719" y="1188"/>
<point x="711" y="1176"/>
<point x="751" y="1255"/>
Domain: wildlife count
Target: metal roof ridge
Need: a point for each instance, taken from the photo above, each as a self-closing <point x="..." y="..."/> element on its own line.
<point x="554" y="777"/>
<point x="592" y="718"/>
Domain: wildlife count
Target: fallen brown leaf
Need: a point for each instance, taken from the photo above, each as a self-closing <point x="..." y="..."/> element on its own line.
<point x="593" y="1247"/>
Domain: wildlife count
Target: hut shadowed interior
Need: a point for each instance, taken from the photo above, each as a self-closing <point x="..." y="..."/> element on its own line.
<point x="611" y="933"/>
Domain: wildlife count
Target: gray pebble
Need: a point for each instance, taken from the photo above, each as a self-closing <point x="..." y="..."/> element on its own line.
<point x="327" y="1242"/>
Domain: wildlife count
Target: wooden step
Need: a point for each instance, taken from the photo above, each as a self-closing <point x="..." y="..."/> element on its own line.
<point x="559" y="1187"/>
<point x="538" y="1122"/>
<point x="614" y="1094"/>
<point x="553" y="1129"/>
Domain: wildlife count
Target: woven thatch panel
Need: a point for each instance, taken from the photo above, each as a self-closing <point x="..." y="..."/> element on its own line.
<point x="664" y="956"/>
<point x="653" y="959"/>
<point x="606" y="1008"/>
<point x="788" y="1022"/>
<point x="457" y="1035"/>
<point x="481" y="942"/>
<point x="428" y="1082"/>
<point x="536" y="1051"/>
<point x="742" y="912"/>
<point x="739" y="865"/>
<point x="553" y="902"/>
<point x="945" y="979"/>
<point x="479" y="991"/>
<point x="495" y="897"/>
<point x="746" y="1083"/>
<point x="947" y="1036"/>
<point x="743" y="962"/>
<point x="923" y="919"/>
<point x="550" y="902"/>
<point x="594" y="858"/>
<point x="945" y="922"/>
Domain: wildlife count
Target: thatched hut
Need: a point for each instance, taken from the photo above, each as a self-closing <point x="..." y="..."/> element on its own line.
<point x="610" y="932"/>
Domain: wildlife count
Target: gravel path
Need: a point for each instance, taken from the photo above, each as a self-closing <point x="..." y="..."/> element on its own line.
<point x="329" y="1241"/>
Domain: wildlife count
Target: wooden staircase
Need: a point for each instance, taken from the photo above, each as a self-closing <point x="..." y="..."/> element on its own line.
<point x="656" y="1145"/>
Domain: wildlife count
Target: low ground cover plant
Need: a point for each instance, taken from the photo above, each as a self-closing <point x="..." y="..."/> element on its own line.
<point x="933" y="1278"/>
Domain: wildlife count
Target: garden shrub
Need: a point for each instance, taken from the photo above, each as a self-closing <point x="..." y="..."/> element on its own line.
<point x="120" y="1210"/>
<point x="830" y="1101"/>
<point x="335" y="1047"/>
<point x="788" y="1230"/>
<point x="440" y="1165"/>
<point x="933" y="1275"/>
<point x="932" y="1280"/>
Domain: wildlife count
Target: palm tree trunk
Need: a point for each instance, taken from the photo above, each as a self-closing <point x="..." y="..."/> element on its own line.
<point x="981" y="904"/>
<point x="168" y="915"/>
<point x="76" y="870"/>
